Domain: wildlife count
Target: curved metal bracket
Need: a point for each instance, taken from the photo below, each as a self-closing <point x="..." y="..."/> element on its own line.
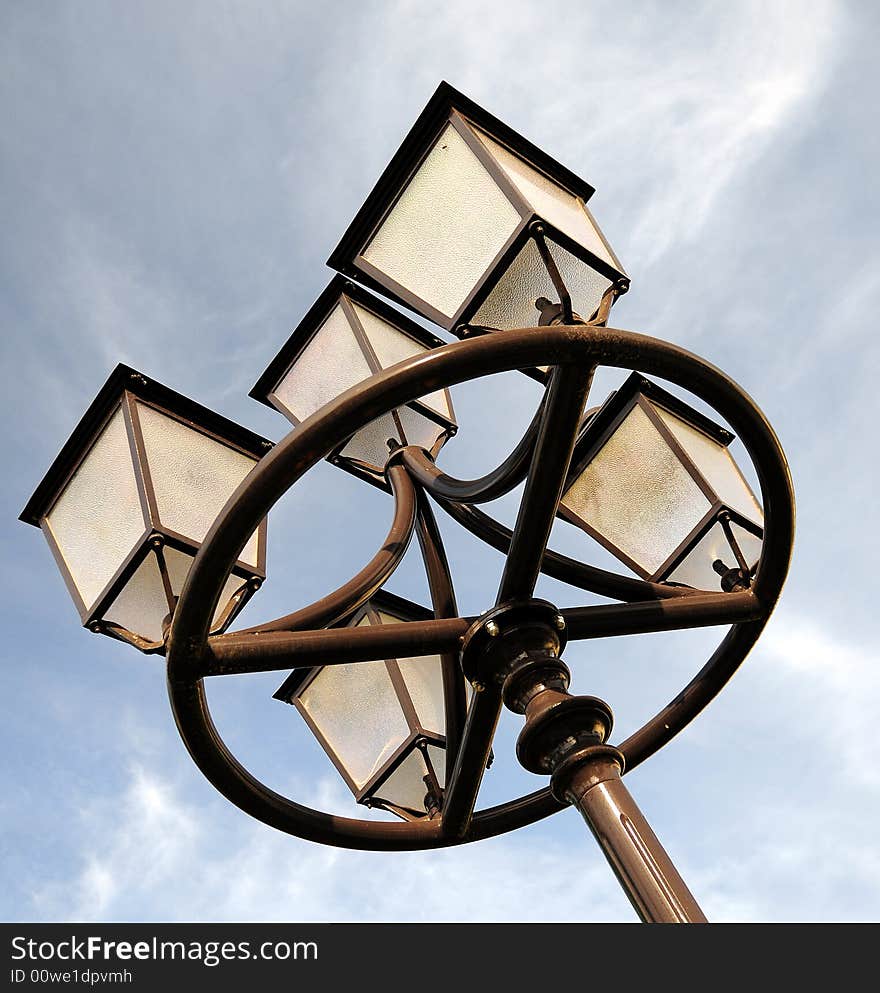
<point x="188" y="648"/>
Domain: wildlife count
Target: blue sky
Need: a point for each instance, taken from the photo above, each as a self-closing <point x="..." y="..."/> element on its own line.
<point x="172" y="178"/>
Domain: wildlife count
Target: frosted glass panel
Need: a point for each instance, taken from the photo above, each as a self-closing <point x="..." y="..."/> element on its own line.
<point x="370" y="444"/>
<point x="331" y="363"/>
<point x="550" y="201"/>
<point x="179" y="563"/>
<point x="424" y="681"/>
<point x="406" y="786"/>
<point x="98" y="518"/>
<point x="446" y="228"/>
<point x="193" y="476"/>
<point x="357" y="710"/>
<point x="437" y="756"/>
<point x="391" y="346"/>
<point x="696" y="567"/>
<point x="141" y="606"/>
<point x="716" y="463"/>
<point x="637" y="494"/>
<point x="418" y="429"/>
<point x="511" y="303"/>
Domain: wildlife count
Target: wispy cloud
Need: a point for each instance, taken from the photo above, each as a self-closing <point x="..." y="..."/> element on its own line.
<point x="171" y="184"/>
<point x="150" y="839"/>
<point x="838" y="682"/>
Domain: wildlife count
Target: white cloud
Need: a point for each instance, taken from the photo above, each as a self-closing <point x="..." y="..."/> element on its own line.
<point x="138" y="849"/>
<point x="839" y="684"/>
<point x="663" y="106"/>
<point x="669" y="110"/>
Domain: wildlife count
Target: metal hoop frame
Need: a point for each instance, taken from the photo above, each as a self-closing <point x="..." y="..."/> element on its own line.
<point x="294" y="641"/>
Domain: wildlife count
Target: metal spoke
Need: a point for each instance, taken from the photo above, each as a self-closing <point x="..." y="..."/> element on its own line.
<point x="564" y="404"/>
<point x="701" y="610"/>
<point x="467" y="774"/>
<point x="269" y="651"/>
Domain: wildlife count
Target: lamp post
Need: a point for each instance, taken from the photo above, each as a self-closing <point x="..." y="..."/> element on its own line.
<point x="477" y="230"/>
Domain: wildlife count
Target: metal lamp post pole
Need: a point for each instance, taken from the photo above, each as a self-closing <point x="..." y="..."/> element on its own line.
<point x="517" y="647"/>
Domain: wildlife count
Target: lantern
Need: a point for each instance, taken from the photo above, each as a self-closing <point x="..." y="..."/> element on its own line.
<point x="129" y="499"/>
<point x="382" y="723"/>
<point x="450" y="228"/>
<point x="346" y="337"/>
<point x="653" y="481"/>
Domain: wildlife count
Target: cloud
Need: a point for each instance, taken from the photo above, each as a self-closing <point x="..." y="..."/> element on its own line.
<point x="171" y="185"/>
<point x="151" y="839"/>
<point x="838" y="684"/>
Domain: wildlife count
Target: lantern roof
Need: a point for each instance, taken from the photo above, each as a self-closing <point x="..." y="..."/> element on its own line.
<point x="601" y="422"/>
<point x="428" y="124"/>
<point x="338" y="287"/>
<point x="125" y="379"/>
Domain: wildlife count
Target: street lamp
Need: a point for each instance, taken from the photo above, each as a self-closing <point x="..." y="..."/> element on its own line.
<point x="131" y="496"/>
<point x="405" y="700"/>
<point x="382" y="723"/>
<point x="471" y="224"/>
<point x="653" y="480"/>
<point x="347" y="336"/>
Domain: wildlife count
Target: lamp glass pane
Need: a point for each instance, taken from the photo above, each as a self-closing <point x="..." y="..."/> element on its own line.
<point x="391" y="346"/>
<point x="549" y="200"/>
<point x="142" y="606"/>
<point x="511" y="302"/>
<point x="418" y="429"/>
<point x="437" y="756"/>
<point x="356" y="709"/>
<point x="406" y="786"/>
<point x="331" y="363"/>
<point x="445" y="229"/>
<point x="98" y="519"/>
<point x="637" y="494"/>
<point x="717" y="464"/>
<point x="696" y="568"/>
<point x="193" y="476"/>
<point x="424" y="681"/>
<point x="370" y="444"/>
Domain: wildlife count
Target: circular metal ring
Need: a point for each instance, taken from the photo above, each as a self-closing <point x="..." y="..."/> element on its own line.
<point x="319" y="434"/>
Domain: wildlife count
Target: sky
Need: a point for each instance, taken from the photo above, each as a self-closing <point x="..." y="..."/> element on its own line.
<point x="172" y="178"/>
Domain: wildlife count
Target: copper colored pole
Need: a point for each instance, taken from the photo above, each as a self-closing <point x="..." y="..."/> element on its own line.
<point x="517" y="648"/>
<point x="644" y="870"/>
<point x="551" y="457"/>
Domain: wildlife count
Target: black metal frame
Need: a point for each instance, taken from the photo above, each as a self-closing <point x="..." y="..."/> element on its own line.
<point x="341" y="291"/>
<point x="126" y="389"/>
<point x="194" y="654"/>
<point x="449" y="106"/>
